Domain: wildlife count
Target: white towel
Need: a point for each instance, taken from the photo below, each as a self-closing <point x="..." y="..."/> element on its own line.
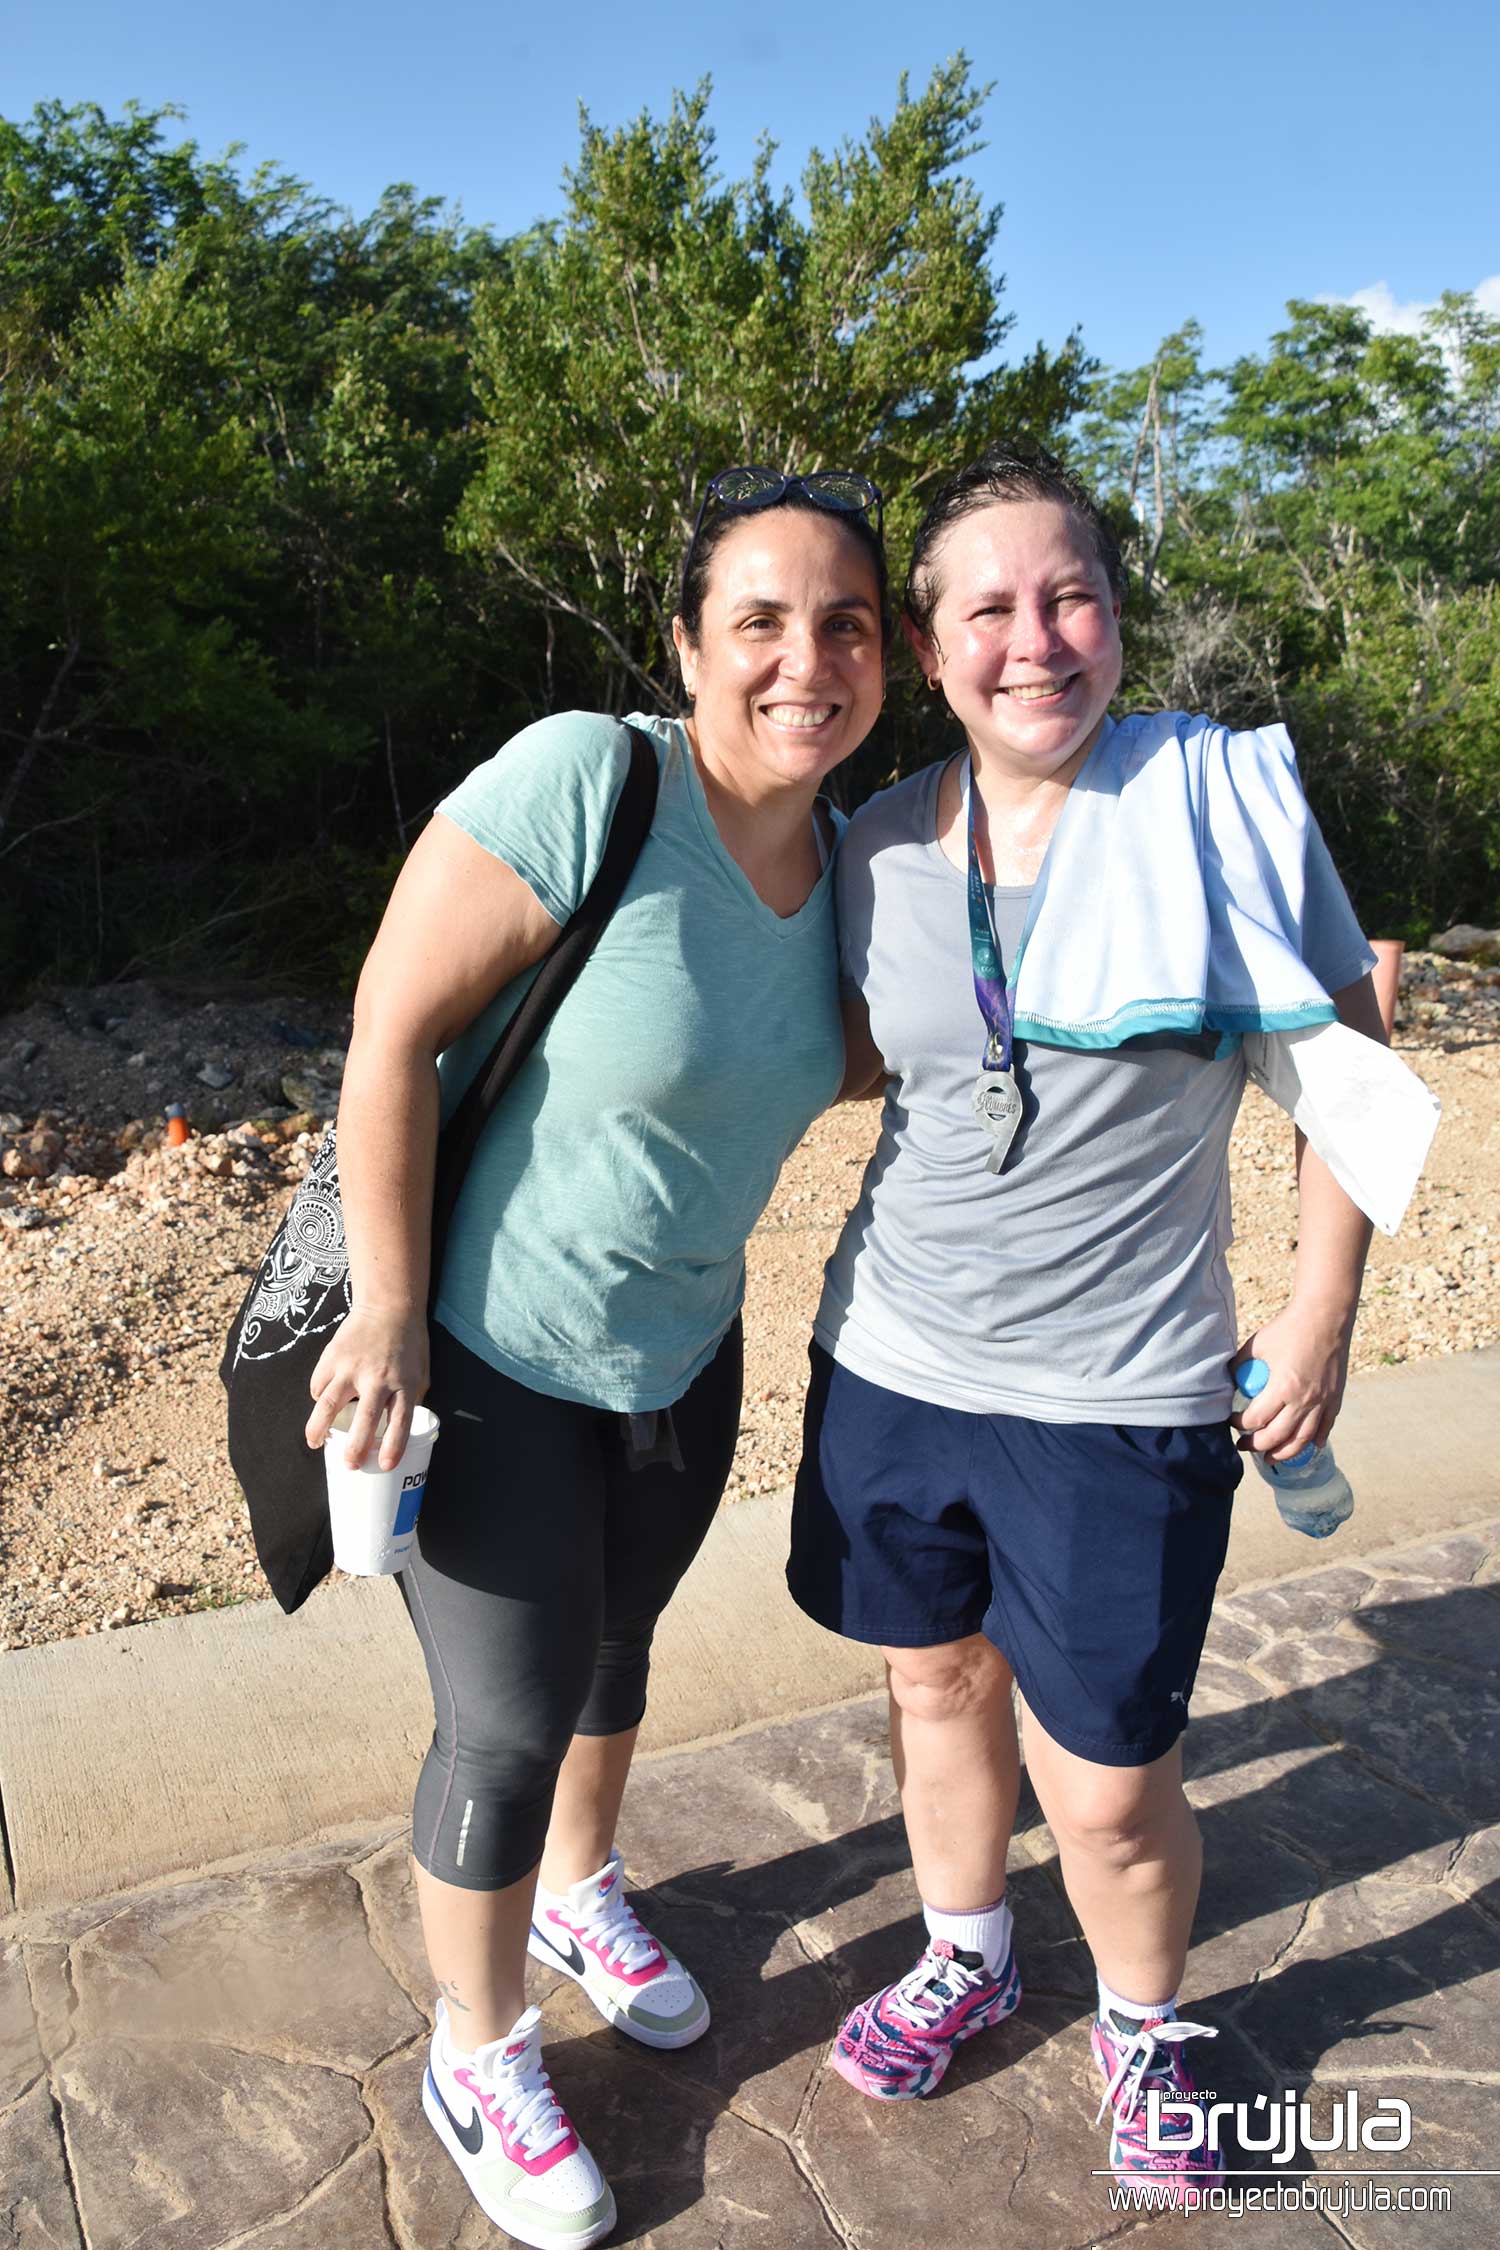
<point x="1368" y="1116"/>
<point x="1171" y="899"/>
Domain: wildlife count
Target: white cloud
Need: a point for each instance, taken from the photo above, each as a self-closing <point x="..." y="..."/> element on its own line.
<point x="1387" y="314"/>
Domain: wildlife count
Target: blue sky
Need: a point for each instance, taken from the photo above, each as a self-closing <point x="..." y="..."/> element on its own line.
<point x="1168" y="160"/>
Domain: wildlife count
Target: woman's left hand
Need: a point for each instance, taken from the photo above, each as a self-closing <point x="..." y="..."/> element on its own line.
<point x="1307" y="1352"/>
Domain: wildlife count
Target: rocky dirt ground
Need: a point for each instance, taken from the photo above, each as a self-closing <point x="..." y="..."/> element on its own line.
<point x="122" y="1261"/>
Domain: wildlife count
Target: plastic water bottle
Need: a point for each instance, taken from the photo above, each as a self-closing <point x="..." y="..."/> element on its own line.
<point x="1312" y="1491"/>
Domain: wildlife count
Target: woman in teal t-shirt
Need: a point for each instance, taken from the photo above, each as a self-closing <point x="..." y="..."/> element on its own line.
<point x="585" y="1354"/>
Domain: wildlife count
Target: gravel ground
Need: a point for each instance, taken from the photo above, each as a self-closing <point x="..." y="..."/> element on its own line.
<point x="121" y="1268"/>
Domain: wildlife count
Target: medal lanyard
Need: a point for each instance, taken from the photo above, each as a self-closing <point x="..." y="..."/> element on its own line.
<point x="990" y="988"/>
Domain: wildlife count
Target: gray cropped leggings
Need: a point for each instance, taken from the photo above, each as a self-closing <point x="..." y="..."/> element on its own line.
<point x="543" y="1561"/>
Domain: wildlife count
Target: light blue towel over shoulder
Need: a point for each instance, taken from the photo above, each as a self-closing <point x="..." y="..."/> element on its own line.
<point x="1174" y="890"/>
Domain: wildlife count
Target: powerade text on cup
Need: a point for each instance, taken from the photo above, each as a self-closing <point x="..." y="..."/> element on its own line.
<point x="411" y="1500"/>
<point x="373" y="1511"/>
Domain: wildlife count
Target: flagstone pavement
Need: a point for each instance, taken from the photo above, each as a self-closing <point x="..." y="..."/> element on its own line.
<point x="234" y="2058"/>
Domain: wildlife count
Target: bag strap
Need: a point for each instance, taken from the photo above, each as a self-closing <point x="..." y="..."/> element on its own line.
<point x="634" y="810"/>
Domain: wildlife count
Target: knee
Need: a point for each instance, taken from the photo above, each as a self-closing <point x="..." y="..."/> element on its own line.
<point x="953" y="1682"/>
<point x="513" y="1752"/>
<point x="616" y="1699"/>
<point x="1124" y="1818"/>
<point x="484" y="1796"/>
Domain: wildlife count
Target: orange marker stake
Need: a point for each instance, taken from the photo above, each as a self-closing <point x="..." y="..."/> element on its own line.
<point x="177" y="1125"/>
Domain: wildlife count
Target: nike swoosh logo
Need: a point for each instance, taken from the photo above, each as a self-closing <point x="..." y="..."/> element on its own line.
<point x="470" y="2137"/>
<point x="568" y="1952"/>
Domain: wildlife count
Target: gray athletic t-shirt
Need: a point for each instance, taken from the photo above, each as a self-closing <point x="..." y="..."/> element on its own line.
<point x="1087" y="1282"/>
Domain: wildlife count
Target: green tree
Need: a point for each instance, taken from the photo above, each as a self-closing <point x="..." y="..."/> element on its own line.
<point x="672" y="324"/>
<point x="1324" y="550"/>
<point x="85" y="197"/>
<point x="236" y="648"/>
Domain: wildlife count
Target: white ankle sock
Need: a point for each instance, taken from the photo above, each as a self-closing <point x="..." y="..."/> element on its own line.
<point x="556" y="1898"/>
<point x="986" y="1931"/>
<point x="1139" y="2011"/>
<point x="461" y="2054"/>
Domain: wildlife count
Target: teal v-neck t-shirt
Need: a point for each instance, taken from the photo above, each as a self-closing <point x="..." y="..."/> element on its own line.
<point x="598" y="1248"/>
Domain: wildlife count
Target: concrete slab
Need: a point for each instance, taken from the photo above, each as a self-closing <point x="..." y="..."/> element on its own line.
<point x="181" y="1743"/>
<point x="734" y="1650"/>
<point x="193" y="1740"/>
<point x="233" y="2060"/>
<point x="178" y="1744"/>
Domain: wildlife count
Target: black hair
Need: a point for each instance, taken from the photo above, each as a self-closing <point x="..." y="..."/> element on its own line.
<point x="696" y="570"/>
<point x="1003" y="472"/>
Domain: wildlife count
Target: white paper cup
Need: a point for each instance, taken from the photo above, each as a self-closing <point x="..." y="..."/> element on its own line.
<point x="373" y="1511"/>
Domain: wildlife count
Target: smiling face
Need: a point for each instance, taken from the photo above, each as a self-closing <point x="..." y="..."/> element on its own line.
<point x="787" y="670"/>
<point x="1025" y="635"/>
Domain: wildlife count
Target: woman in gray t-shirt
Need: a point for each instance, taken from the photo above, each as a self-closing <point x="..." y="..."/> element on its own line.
<point x="1018" y="1461"/>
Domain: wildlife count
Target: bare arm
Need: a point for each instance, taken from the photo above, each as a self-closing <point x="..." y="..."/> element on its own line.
<point x="865" y="1072"/>
<point x="459" y="926"/>
<point x="1306" y="1346"/>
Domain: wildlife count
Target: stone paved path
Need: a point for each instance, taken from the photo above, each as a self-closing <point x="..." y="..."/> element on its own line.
<point x="234" y="2059"/>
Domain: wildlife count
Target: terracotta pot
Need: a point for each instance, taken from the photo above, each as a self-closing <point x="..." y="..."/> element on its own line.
<point x="1387" y="976"/>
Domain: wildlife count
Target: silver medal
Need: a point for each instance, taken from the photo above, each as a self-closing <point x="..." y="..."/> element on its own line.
<point x="997" y="1105"/>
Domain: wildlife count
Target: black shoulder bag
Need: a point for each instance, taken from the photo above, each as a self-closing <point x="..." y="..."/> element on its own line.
<point x="301" y="1292"/>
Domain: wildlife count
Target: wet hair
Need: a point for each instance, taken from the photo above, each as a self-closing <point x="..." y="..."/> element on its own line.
<point x="697" y="563"/>
<point x="1003" y="472"/>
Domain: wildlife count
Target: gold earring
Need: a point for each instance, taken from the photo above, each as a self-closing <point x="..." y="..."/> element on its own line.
<point x="933" y="686"/>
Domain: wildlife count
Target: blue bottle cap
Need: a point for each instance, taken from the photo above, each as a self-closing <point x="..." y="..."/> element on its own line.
<point x="1252" y="1376"/>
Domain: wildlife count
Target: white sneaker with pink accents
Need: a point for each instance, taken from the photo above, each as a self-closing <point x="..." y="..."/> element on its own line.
<point x="498" y="2118"/>
<point x="592" y="1935"/>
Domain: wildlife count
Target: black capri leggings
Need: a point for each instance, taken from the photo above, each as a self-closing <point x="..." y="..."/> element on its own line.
<point x="543" y="1561"/>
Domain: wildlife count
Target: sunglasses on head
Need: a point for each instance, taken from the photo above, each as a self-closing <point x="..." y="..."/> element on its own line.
<point x="840" y="491"/>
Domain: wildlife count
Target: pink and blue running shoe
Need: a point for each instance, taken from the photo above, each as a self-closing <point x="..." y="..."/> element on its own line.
<point x="1134" y="2059"/>
<point x="898" y="2044"/>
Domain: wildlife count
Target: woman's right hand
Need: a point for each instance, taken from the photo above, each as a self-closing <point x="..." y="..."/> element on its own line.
<point x="460" y="925"/>
<point x="380" y="1358"/>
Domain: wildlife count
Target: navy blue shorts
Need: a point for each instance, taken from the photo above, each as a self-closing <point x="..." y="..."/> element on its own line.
<point x="1087" y="1552"/>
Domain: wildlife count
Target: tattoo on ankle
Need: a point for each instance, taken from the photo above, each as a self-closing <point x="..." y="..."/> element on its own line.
<point x="450" y="1994"/>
